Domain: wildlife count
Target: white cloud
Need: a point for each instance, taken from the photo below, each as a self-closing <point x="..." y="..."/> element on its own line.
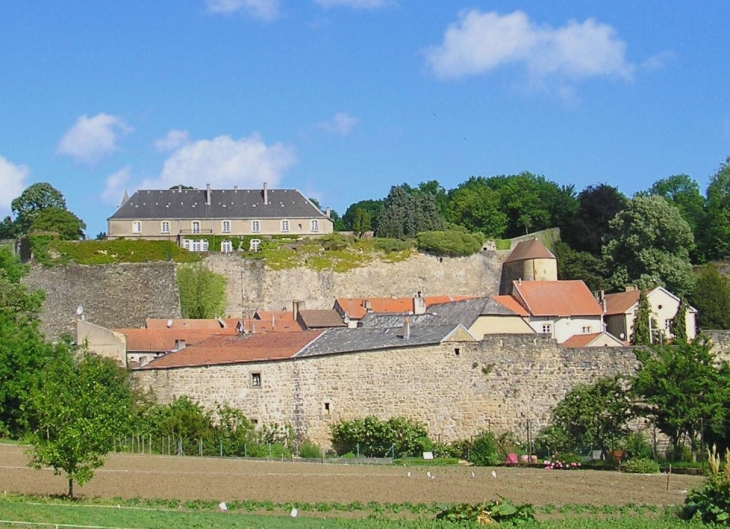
<point x="480" y="42"/>
<point x="224" y="162"/>
<point x="115" y="185"/>
<point x="356" y="4"/>
<point x="267" y="10"/>
<point x="174" y="139"/>
<point x="12" y="182"/>
<point x="341" y="124"/>
<point x="91" y="139"/>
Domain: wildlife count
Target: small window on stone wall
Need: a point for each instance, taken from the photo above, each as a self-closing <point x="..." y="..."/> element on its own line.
<point x="256" y="380"/>
<point x="457" y="351"/>
<point x="327" y="408"/>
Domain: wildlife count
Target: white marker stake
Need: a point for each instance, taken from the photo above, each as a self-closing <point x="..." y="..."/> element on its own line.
<point x="293" y="513"/>
<point x="222" y="506"/>
<point x="494" y="474"/>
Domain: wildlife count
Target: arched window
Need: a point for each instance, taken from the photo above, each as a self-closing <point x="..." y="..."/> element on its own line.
<point x="285" y="226"/>
<point x="255" y="226"/>
<point x="196" y="227"/>
<point x="136" y="227"/>
<point x="226" y="226"/>
<point x="165" y="227"/>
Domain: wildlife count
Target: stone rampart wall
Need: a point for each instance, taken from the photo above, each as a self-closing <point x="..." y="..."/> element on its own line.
<point x="503" y="383"/>
<point x="251" y="286"/>
<point x="115" y="296"/>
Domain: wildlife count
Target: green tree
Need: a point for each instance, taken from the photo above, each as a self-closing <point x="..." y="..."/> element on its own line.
<point x="649" y="243"/>
<point x="434" y="188"/>
<point x="68" y="226"/>
<point x="476" y="207"/>
<point x="7" y="228"/>
<point x="684" y="193"/>
<point x="202" y="292"/>
<point x="374" y="207"/>
<point x="32" y="201"/>
<point x="715" y="238"/>
<point x="75" y="414"/>
<point x="408" y="212"/>
<point x="679" y="322"/>
<point x="644" y="323"/>
<point x="711" y="297"/>
<point x="453" y="243"/>
<point x="597" y="205"/>
<point x="594" y="415"/>
<point x="362" y="223"/>
<point x="580" y="265"/>
<point x="337" y="223"/>
<point x="680" y="388"/>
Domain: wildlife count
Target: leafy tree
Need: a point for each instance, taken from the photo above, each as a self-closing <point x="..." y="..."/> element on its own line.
<point x="180" y="186"/>
<point x="596" y="207"/>
<point x="649" y="242"/>
<point x="679" y="322"/>
<point x="101" y="236"/>
<point x="374" y="207"/>
<point x="644" y="322"/>
<point x="75" y="414"/>
<point x="337" y="223"/>
<point x="683" y="192"/>
<point x="202" y="292"/>
<point x="407" y="213"/>
<point x="32" y="201"/>
<point x="711" y="297"/>
<point x="715" y="238"/>
<point x="476" y="207"/>
<point x="7" y="229"/>
<point x="680" y="388"/>
<point x="434" y="188"/>
<point x="594" y="415"/>
<point x="363" y="222"/>
<point x="580" y="265"/>
<point x="316" y="203"/>
<point x="68" y="226"/>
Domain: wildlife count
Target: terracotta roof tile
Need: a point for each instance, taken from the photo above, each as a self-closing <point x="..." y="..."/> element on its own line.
<point x="512" y="304"/>
<point x="319" y="319"/>
<point x="584" y="340"/>
<point x="621" y="302"/>
<point x="278" y="314"/>
<point x="177" y="323"/>
<point x="557" y="298"/>
<point x="164" y="339"/>
<point x="532" y="249"/>
<point x="354" y="307"/>
<point x="237" y="349"/>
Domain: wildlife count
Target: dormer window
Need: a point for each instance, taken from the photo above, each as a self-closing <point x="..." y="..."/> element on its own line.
<point x="196" y="227"/>
<point x="255" y="226"/>
<point x="136" y="227"/>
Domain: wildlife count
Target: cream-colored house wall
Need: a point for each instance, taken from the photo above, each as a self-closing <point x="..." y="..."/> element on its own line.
<point x="499" y="325"/>
<point x="102" y="341"/>
<point x="564" y="328"/>
<point x="663" y="307"/>
<point x="152" y="228"/>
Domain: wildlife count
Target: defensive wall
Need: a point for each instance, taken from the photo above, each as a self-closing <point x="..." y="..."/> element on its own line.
<point x="504" y="383"/>
<point x="123" y="295"/>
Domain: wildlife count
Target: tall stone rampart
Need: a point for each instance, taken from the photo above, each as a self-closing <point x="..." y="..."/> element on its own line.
<point x="120" y="295"/>
<point x="252" y="286"/>
<point x="504" y="383"/>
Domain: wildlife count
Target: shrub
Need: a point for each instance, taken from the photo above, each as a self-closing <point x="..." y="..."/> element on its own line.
<point x="335" y="241"/>
<point x="374" y="438"/>
<point x="450" y="243"/>
<point x="484" y="450"/>
<point x="489" y="512"/>
<point x="638" y="447"/>
<point x="387" y="245"/>
<point x="640" y="465"/>
<point x="711" y="503"/>
<point x="310" y="450"/>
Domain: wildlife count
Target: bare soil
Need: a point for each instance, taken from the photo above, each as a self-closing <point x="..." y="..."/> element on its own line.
<point x="186" y="478"/>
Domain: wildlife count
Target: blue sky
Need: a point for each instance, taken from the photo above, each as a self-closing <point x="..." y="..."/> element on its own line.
<point x="344" y="98"/>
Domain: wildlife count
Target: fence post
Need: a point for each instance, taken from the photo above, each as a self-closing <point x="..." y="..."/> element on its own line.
<point x="221" y="448"/>
<point x="357" y="448"/>
<point x="245" y="450"/>
<point x="269" y="450"/>
<point x="200" y="446"/>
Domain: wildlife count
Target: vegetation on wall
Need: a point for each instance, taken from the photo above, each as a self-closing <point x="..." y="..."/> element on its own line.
<point x="51" y="251"/>
<point x="202" y="292"/>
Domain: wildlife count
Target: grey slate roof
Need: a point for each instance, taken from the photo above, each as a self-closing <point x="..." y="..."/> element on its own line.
<point x="340" y="340"/>
<point x="468" y="311"/>
<point x="224" y="204"/>
<point x="383" y="320"/>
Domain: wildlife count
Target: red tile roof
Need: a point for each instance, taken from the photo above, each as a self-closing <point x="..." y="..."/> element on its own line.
<point x="621" y="302"/>
<point x="557" y="298"/>
<point x="237" y="349"/>
<point x="158" y="340"/>
<point x="584" y="340"/>
<point x="512" y="304"/>
<point x="250" y="324"/>
<point x="532" y="249"/>
<point x="283" y="315"/>
<point x="177" y="323"/>
<point x="355" y="309"/>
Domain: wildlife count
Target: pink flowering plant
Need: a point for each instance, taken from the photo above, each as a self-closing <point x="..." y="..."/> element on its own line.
<point x="564" y="462"/>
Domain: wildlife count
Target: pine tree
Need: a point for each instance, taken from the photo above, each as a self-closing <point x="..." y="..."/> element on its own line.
<point x="679" y="322"/>
<point x="644" y="322"/>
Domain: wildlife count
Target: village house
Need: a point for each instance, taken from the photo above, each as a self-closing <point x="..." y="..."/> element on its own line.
<point x="621" y="310"/>
<point x="185" y="216"/>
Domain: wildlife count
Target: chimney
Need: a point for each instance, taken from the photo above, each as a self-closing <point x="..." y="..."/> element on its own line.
<point x="179" y="345"/>
<point x="419" y="304"/>
<point x="295" y="309"/>
<point x="519" y="281"/>
<point x="327" y="212"/>
<point x="207" y="196"/>
<point x="179" y="188"/>
<point x="266" y="194"/>
<point x="235" y="188"/>
<point x="367" y="305"/>
<point x="406" y="329"/>
<point x="273" y="322"/>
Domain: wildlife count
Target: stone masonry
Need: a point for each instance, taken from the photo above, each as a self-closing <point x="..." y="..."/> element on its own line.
<point x="503" y="383"/>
